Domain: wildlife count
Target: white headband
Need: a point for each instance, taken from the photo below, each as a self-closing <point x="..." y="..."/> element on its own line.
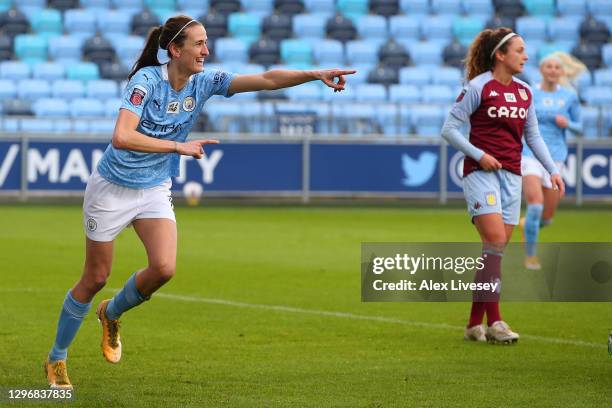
<point x="502" y="42"/>
<point x="162" y="54"/>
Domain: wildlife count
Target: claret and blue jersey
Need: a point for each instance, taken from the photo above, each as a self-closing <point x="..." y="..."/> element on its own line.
<point x="164" y="114"/>
<point x="548" y="105"/>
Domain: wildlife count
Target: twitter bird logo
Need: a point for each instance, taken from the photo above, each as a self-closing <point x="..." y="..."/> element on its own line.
<point x="418" y="172"/>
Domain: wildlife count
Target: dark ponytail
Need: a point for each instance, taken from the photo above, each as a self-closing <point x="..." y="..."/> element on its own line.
<point x="161" y="37"/>
<point x="148" y="56"/>
<point x="479" y="59"/>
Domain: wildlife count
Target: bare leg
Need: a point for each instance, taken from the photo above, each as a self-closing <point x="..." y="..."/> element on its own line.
<point x="98" y="263"/>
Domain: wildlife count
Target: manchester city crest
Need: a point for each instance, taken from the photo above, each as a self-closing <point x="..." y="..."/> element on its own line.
<point x="92" y="224"/>
<point x="188" y="104"/>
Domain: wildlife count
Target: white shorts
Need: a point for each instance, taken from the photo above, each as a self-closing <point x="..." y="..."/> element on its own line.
<point x="530" y="166"/>
<point x="108" y="208"/>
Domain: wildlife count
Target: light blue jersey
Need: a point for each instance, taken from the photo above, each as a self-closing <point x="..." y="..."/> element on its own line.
<point x="164" y="114"/>
<point x="548" y="105"/>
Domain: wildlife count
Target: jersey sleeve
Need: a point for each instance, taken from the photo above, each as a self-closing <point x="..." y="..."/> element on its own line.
<point x="215" y="83"/>
<point x="575" y="117"/>
<point x="467" y="102"/>
<point x="137" y="93"/>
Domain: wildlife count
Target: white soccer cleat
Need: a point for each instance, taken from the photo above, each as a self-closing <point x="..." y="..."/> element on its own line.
<point x="475" y="333"/>
<point x="500" y="332"/>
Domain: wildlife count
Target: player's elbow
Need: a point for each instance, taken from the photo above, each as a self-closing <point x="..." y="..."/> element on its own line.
<point x="119" y="141"/>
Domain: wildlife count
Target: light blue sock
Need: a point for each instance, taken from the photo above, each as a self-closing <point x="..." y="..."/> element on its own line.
<point x="532" y="227"/>
<point x="70" y="320"/>
<point x="125" y="299"/>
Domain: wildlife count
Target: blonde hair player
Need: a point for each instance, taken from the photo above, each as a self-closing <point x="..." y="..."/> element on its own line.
<point x="558" y="111"/>
<point x="167" y="89"/>
<point x="500" y="111"/>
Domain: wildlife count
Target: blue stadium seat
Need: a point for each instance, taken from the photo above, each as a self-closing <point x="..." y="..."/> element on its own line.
<point x="193" y="5"/>
<point x="31" y="89"/>
<point x="478" y="7"/>
<point x="102" y="89"/>
<point x="542" y="8"/>
<point x="127" y="5"/>
<point x="590" y="122"/>
<point x="548" y="48"/>
<point x="307" y="92"/>
<point x="437" y="27"/>
<point x="414" y="7"/>
<point x="448" y="76"/>
<point x="102" y="126"/>
<point x="531" y="28"/>
<point x="403" y="93"/>
<point x="371" y="93"/>
<point x="296" y="51"/>
<point x="81" y="22"/>
<point x="111" y="107"/>
<point x="231" y="50"/>
<point x="465" y="29"/>
<point x="8" y="89"/>
<point x="451" y="7"/>
<point x="603" y="77"/>
<point x="128" y="48"/>
<point x="600" y="7"/>
<point x="224" y="116"/>
<point x="160" y="5"/>
<point x="62" y="126"/>
<point x="563" y="29"/>
<point x="572" y="7"/>
<point x="48" y="71"/>
<point x="405" y="27"/>
<point x="415" y="76"/>
<point x="66" y="47"/>
<point x="426" y="53"/>
<point x="320" y="7"/>
<point x="308" y="26"/>
<point x="86" y="108"/>
<point x="96" y="5"/>
<point x="348" y="95"/>
<point x="244" y="26"/>
<point x="36" y="125"/>
<point x="113" y="21"/>
<point x="14" y="70"/>
<point x="606" y="52"/>
<point x="532" y="74"/>
<point x="47" y="22"/>
<point x="5" y="5"/>
<point x="427" y="120"/>
<point x="329" y="52"/>
<point x="359" y="118"/>
<point x="438" y="94"/>
<point x="10" y="125"/>
<point x="352" y="8"/>
<point x="31" y="47"/>
<point x="51" y="108"/>
<point x="598" y="95"/>
<point x="372" y="28"/>
<point x="389" y="120"/>
<point x="260" y="8"/>
<point x="67" y="89"/>
<point x="83" y="71"/>
<point x="361" y="52"/>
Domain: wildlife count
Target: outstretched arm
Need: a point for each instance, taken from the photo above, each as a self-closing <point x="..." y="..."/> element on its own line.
<point x="280" y="78"/>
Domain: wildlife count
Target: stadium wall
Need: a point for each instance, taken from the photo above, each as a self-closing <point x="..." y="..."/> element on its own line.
<point x="300" y="167"/>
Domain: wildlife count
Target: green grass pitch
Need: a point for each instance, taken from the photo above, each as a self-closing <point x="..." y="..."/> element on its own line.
<point x="265" y="311"/>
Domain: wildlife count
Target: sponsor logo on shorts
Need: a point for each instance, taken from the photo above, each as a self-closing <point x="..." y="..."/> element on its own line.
<point x="173" y="107"/>
<point x="523" y="94"/>
<point x="491" y="198"/>
<point x="92" y="224"/>
<point x="138" y="95"/>
<point x="188" y="104"/>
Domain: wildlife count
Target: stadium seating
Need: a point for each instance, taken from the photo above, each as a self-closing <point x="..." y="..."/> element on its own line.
<point x="408" y="54"/>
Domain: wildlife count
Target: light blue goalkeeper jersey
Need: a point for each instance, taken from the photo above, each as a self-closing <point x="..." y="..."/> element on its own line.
<point x="548" y="105"/>
<point x="164" y="114"/>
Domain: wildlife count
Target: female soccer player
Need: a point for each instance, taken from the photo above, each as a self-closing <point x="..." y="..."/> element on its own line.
<point x="500" y="111"/>
<point x="558" y="110"/>
<point x="131" y="184"/>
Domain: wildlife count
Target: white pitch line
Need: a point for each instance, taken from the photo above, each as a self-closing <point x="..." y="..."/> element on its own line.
<point x="352" y="316"/>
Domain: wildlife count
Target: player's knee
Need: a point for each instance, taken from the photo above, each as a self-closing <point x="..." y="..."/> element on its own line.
<point x="164" y="270"/>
